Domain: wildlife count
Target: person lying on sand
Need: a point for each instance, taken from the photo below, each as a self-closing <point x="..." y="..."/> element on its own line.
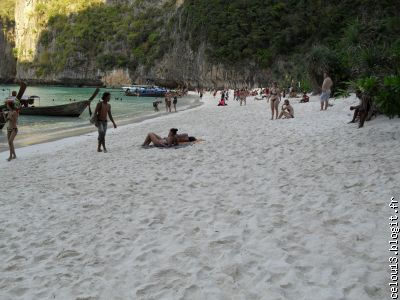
<point x="158" y="141"/>
<point x="185" y="138"/>
<point x="305" y="98"/>
<point x="287" y="110"/>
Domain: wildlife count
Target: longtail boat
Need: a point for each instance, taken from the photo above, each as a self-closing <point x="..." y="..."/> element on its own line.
<point x="65" y="110"/>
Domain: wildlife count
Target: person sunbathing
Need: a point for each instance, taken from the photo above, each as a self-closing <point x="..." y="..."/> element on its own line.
<point x="287" y="110"/>
<point x="185" y="138"/>
<point x="158" y="141"/>
<point x="305" y="98"/>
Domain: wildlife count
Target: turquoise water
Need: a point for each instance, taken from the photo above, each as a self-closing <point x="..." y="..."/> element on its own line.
<point x="38" y="129"/>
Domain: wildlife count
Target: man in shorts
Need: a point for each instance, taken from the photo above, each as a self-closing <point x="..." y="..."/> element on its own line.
<point x="326" y="91"/>
<point x="103" y="110"/>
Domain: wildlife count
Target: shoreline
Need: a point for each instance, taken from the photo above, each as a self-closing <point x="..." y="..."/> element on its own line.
<point x="90" y="129"/>
<point x="63" y="141"/>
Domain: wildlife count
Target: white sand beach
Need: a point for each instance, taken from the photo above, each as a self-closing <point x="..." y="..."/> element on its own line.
<point x="288" y="209"/>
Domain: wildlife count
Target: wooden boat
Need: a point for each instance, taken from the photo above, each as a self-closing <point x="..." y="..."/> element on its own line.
<point x="66" y="110"/>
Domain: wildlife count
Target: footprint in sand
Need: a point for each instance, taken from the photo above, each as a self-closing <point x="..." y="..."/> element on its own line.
<point x="67" y="253"/>
<point x="193" y="292"/>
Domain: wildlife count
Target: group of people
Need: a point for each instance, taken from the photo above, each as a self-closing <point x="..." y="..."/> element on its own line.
<point x="170" y="98"/>
<point x="103" y="113"/>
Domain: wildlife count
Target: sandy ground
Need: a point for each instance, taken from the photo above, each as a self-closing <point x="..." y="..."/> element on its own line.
<point x="287" y="209"/>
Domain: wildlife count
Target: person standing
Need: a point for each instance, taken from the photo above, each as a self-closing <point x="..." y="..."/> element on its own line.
<point x="175" y="101"/>
<point x="243" y="96"/>
<point x="275" y="98"/>
<point x="155" y="105"/>
<point x="103" y="109"/>
<point x="12" y="129"/>
<point x="168" y="102"/>
<point x="326" y="91"/>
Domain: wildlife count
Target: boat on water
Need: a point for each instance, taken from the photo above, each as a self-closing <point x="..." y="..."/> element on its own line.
<point x="28" y="107"/>
<point x="145" y="91"/>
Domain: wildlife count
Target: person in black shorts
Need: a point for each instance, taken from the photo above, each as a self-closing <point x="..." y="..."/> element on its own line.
<point x="175" y="101"/>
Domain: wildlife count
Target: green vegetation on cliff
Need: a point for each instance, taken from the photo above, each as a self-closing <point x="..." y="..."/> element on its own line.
<point x="300" y="39"/>
<point x="351" y="39"/>
<point x="347" y="37"/>
<point x="7" y="9"/>
<point x="108" y="36"/>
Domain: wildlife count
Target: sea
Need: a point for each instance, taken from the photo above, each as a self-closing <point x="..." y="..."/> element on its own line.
<point x="40" y="129"/>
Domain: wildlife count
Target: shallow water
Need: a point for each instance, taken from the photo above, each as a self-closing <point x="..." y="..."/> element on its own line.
<point x="39" y="129"/>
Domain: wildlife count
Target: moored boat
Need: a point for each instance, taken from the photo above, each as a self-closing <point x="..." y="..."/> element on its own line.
<point x="145" y="91"/>
<point x="65" y="110"/>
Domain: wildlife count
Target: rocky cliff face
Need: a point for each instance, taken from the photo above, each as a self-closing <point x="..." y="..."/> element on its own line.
<point x="180" y="65"/>
<point x="7" y="59"/>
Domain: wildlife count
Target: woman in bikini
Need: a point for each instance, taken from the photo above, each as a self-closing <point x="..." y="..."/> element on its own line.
<point x="158" y="141"/>
<point x="12" y="129"/>
<point x="275" y="99"/>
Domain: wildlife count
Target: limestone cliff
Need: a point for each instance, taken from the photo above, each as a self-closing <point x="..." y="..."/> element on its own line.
<point x="178" y="64"/>
<point x="7" y="59"/>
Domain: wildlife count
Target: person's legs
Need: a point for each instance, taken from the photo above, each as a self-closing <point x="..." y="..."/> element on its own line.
<point x="322" y="105"/>
<point x="326" y="102"/>
<point x="147" y="140"/>
<point x="102" y="136"/>
<point x="276" y="106"/>
<point x="272" y="108"/>
<point x="152" y="138"/>
<point x="11" y="136"/>
<point x="363" y="117"/>
<point x="156" y="140"/>
<point x="287" y="115"/>
<point x="355" y="115"/>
